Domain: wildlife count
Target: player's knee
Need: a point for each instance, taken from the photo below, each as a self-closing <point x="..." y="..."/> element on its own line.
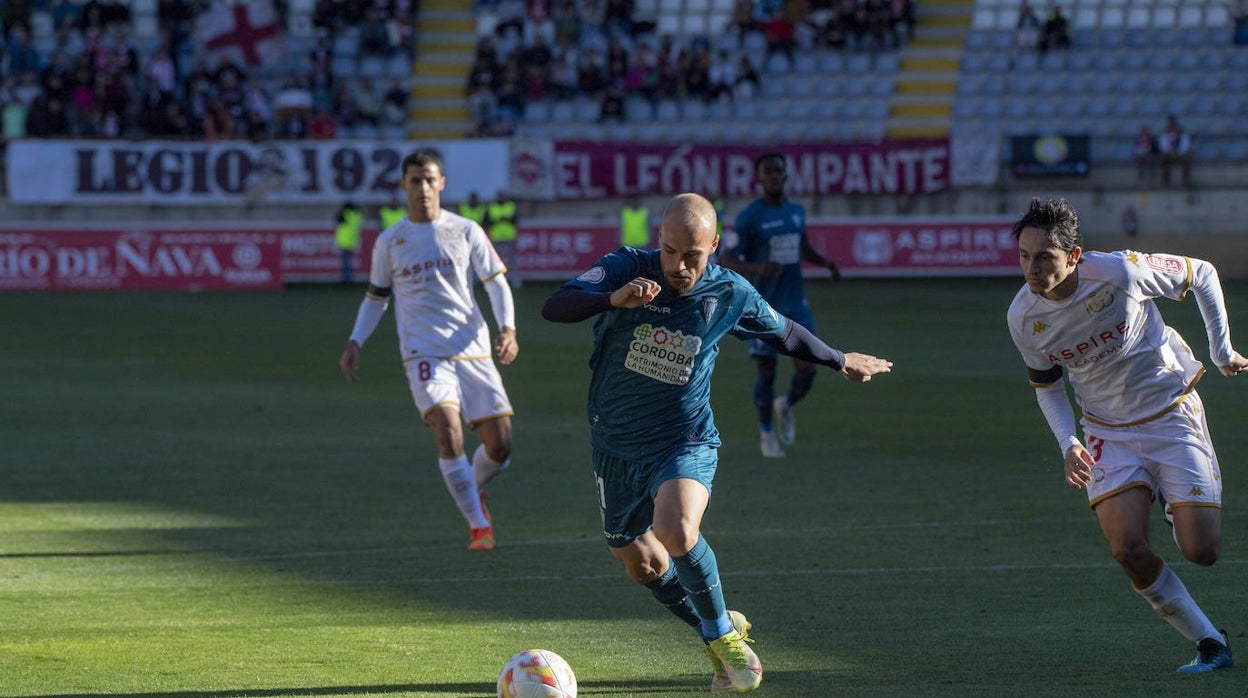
<point x="1204" y="554"/>
<point x="500" y="452"/>
<point x="1131" y="553"/>
<point x="678" y="538"/>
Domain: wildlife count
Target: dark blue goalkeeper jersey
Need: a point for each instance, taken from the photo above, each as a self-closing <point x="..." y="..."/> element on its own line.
<point x="651" y="384"/>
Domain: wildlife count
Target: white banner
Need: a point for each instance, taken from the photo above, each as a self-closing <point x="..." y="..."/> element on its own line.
<point x="234" y="172"/>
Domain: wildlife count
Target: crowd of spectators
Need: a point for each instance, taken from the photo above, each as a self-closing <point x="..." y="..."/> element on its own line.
<point x="603" y="50"/>
<point x="92" y="78"/>
<point x="1034" y="34"/>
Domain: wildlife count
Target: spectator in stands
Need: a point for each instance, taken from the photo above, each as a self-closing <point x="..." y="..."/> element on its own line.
<point x="593" y="15"/>
<point x="259" y="113"/>
<point x="66" y="12"/>
<point x="368" y="102"/>
<point x="590" y="78"/>
<point x="323" y="125"/>
<point x="374" y="35"/>
<point x="12" y="118"/>
<point x="47" y="117"/>
<point x="747" y="80"/>
<point x="1176" y="147"/>
<point x="617" y="60"/>
<point x="723" y="77"/>
<point x="23" y="58"/>
<point x="1056" y="30"/>
<point x="218" y="122"/>
<point x="162" y="74"/>
<point x="903" y="19"/>
<point x="611" y="107"/>
<point x="395" y="102"/>
<point x="779" y="31"/>
<point x="511" y="106"/>
<point x="169" y="120"/>
<point x="1028" y="28"/>
<point x="618" y="17"/>
<point x="1146" y="154"/>
<point x="836" y="29"/>
<point x="562" y="78"/>
<point x="567" y="22"/>
<point x="483" y="110"/>
<point x="697" y="83"/>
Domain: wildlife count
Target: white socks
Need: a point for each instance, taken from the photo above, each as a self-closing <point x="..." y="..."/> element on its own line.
<point x="462" y="485"/>
<point x="485" y="469"/>
<point x="1170" y="599"/>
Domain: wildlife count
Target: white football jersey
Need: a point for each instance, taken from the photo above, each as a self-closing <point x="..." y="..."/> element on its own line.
<point x="1124" y="363"/>
<point x="429" y="267"/>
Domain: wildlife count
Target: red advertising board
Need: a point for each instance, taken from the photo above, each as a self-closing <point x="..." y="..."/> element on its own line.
<point x="51" y="258"/>
<point x="919" y="247"/>
<point x="150" y="259"/>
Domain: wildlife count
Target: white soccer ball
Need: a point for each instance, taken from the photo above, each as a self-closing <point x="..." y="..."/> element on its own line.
<point x="536" y="674"/>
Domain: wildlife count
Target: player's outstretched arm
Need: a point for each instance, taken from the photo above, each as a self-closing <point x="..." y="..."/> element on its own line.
<point x="1237" y="365"/>
<point x="860" y="367"/>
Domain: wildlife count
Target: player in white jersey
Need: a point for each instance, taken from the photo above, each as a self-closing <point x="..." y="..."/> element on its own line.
<point x="427" y="262"/>
<point x="1091" y="316"/>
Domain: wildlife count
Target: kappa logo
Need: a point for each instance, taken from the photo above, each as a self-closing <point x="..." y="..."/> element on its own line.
<point x="1098" y="301"/>
<point x="1037" y="327"/>
<point x="1196" y="491"/>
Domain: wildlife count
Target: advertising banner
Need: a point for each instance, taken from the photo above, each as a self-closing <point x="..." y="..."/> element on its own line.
<point x="230" y="173"/>
<point x="124" y="259"/>
<point x="919" y="247"/>
<point x="587" y="170"/>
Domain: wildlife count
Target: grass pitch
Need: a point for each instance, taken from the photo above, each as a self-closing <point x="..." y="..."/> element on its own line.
<point x="195" y="504"/>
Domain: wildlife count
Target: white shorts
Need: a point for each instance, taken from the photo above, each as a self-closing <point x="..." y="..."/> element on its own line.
<point x="472" y="385"/>
<point x="1172" y="454"/>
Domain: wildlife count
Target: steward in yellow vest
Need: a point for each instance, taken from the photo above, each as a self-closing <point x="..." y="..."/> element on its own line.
<point x="391" y="213"/>
<point x="635" y="224"/>
<point x="502" y="218"/>
<point x="473" y="209"/>
<point x="347" y="237"/>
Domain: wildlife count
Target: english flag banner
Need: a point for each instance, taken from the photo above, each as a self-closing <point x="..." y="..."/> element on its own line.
<point x="246" y="33"/>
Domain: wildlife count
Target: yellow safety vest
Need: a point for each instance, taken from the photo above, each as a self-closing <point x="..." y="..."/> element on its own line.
<point x="503" y="221"/>
<point x="391" y="215"/>
<point x="635" y="226"/>
<point x="347" y="234"/>
<point x="475" y="213"/>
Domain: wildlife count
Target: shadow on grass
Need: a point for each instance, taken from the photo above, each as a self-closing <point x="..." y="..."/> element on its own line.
<point x="586" y="688"/>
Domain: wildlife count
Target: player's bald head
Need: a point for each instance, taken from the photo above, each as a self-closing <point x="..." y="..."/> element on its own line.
<point x="689" y="215"/>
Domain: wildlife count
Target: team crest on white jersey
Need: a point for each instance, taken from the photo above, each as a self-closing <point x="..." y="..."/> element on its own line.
<point x="1038" y="327"/>
<point x="1098" y="301"/>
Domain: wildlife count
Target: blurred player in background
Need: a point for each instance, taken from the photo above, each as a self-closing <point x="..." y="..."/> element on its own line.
<point x="1092" y="316"/>
<point x="425" y="260"/>
<point x="660" y="315"/>
<point x="768" y="245"/>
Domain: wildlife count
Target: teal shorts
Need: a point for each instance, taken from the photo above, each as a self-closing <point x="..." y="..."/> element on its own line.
<point x="626" y="489"/>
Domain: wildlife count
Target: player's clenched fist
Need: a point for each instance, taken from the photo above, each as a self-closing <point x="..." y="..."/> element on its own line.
<point x="635" y="293"/>
<point x="860" y="367"/>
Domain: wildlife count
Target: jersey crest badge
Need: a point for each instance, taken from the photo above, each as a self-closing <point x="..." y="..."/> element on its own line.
<point x="709" y="304"/>
<point x="594" y="275"/>
<point x="1038" y="327"/>
<point x="1098" y="301"/>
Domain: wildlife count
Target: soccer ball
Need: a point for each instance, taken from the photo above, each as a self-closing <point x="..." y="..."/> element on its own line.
<point x="536" y="674"/>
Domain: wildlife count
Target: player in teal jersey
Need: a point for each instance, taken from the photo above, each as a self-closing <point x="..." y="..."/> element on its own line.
<point x="660" y="316"/>
<point x="768" y="244"/>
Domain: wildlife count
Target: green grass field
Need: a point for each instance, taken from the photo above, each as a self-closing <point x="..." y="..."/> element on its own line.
<point x="194" y="503"/>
